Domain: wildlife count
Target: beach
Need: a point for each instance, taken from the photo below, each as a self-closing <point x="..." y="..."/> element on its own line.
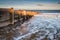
<point x="31" y="25"/>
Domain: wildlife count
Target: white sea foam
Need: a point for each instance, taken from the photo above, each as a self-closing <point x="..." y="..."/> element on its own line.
<point x="47" y="26"/>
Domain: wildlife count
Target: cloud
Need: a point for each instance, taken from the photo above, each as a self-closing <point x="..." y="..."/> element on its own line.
<point x="40" y="5"/>
<point x="58" y="3"/>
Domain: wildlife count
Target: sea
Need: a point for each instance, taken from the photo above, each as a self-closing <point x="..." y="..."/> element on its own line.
<point x="41" y="28"/>
<point x="47" y="11"/>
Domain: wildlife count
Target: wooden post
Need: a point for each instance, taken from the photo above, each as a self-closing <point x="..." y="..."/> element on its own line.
<point x="19" y="14"/>
<point x="11" y="12"/>
<point x="25" y="14"/>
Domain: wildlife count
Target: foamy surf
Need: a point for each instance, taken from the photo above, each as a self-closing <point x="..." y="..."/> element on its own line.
<point x="45" y="25"/>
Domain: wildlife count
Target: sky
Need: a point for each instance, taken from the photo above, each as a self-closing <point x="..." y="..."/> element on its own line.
<point x="31" y="4"/>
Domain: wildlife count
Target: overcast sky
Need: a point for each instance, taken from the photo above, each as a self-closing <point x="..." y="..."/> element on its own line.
<point x="31" y="4"/>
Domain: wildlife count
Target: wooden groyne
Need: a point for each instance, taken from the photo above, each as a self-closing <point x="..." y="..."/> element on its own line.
<point x="8" y="28"/>
<point x="15" y="16"/>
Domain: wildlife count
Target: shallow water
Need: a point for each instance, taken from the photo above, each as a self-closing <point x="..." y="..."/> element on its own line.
<point x="41" y="28"/>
